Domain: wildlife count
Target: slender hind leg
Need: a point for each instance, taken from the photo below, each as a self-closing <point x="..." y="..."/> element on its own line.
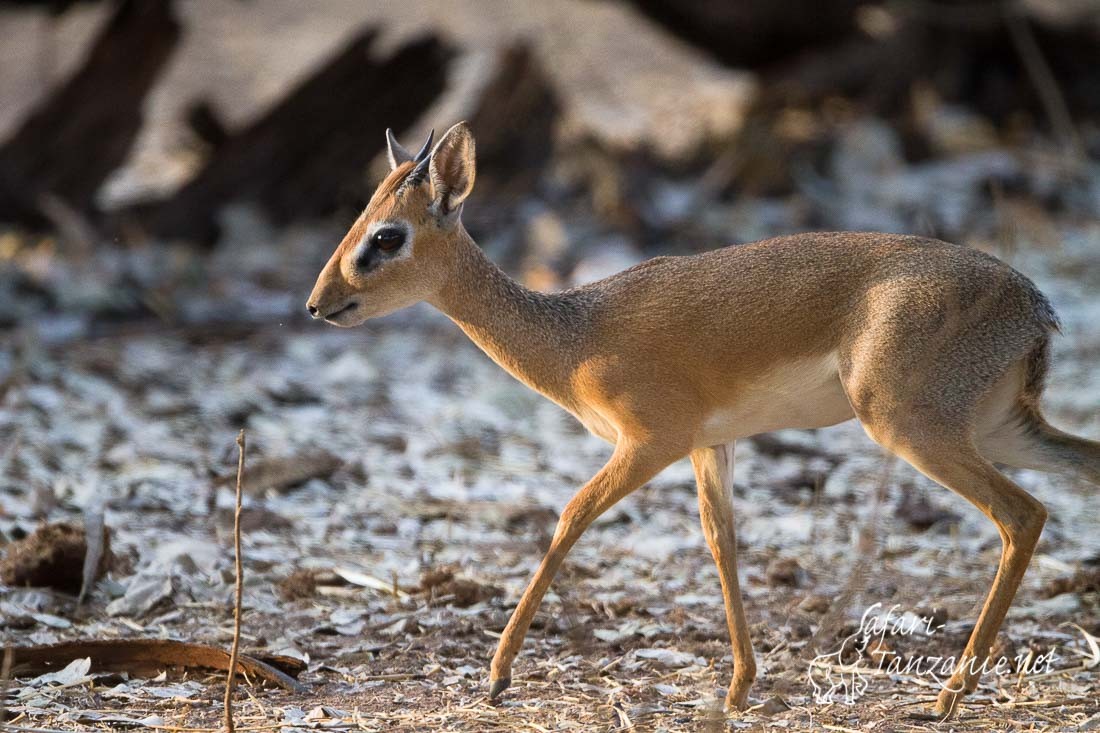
<point x="1019" y="518"/>
<point x="920" y="372"/>
<point x="714" y="477"/>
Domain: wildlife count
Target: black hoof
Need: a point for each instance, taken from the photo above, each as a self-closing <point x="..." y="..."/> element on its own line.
<point x="498" y="686"/>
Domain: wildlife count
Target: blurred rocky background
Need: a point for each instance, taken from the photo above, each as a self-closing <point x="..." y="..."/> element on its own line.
<point x="195" y="162"/>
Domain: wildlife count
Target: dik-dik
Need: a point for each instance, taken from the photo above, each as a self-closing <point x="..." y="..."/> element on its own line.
<point x="940" y="352"/>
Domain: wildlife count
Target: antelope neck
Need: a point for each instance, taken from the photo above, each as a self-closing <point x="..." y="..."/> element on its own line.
<point x="536" y="337"/>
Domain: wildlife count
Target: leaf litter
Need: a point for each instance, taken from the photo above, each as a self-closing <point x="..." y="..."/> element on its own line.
<point x="404" y="491"/>
<point x="352" y="534"/>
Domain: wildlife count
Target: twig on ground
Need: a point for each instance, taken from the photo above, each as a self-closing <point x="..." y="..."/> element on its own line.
<point x="393" y="676"/>
<point x="866" y="554"/>
<point x="621" y="716"/>
<point x="714" y="716"/>
<point x="5" y="681"/>
<point x="25" y="729"/>
<point x="231" y="679"/>
<point x="358" y="577"/>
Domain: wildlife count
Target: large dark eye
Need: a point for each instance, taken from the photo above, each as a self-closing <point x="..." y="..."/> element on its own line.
<point x="388" y="239"/>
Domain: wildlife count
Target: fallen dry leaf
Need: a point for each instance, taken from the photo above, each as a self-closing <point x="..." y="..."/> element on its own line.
<point x="148" y="656"/>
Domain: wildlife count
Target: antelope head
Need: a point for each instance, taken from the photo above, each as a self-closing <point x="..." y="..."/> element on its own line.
<point x="395" y="254"/>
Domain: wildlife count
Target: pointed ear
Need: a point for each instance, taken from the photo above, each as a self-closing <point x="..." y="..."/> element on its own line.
<point x="395" y="152"/>
<point x="452" y="168"/>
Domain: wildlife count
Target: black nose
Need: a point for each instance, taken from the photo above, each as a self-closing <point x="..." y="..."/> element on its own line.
<point x="312" y="309"/>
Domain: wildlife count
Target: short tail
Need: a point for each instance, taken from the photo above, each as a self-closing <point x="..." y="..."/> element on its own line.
<point x="1042" y="446"/>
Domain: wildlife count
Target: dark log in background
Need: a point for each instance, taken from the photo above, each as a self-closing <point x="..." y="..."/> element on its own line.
<point x="308" y="156"/>
<point x="518" y="110"/>
<point x="757" y="33"/>
<point x="808" y="50"/>
<point x="516" y="118"/>
<point x="84" y="130"/>
<point x="976" y="64"/>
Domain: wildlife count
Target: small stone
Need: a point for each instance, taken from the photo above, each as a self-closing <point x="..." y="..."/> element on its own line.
<point x="785" y="571"/>
<point x="302" y="583"/>
<point x="773" y="706"/>
<point x="142" y="595"/>
<point x="815" y="604"/>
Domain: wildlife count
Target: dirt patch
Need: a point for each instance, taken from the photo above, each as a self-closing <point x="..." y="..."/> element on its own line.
<point x="1085" y="580"/>
<point x="299" y="584"/>
<point x="51" y="557"/>
<point x="446" y="585"/>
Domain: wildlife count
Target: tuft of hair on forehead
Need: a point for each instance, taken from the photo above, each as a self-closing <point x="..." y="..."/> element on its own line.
<point x="388" y="191"/>
<point x="391" y="183"/>
<point x="379" y="205"/>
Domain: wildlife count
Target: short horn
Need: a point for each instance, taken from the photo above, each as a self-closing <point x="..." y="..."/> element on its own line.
<point x="423" y="154"/>
<point x="395" y="152"/>
<point x="418" y="174"/>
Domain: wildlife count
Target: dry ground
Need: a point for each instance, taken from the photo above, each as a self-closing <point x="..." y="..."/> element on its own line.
<point x="392" y="567"/>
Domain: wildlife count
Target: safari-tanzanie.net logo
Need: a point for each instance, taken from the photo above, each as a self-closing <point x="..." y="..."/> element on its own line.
<point x="843" y="675"/>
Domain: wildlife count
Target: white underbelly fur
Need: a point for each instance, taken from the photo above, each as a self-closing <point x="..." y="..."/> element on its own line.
<point x="805" y="393"/>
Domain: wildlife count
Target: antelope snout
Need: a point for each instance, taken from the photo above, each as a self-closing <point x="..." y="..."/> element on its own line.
<point x="339" y="314"/>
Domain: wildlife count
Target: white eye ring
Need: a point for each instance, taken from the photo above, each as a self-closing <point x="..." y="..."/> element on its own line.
<point x="375" y="228"/>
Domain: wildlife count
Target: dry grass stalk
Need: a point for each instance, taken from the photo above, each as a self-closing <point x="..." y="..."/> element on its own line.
<point x="5" y="681"/>
<point x="231" y="678"/>
<point x="867" y="554"/>
<point x="1046" y="87"/>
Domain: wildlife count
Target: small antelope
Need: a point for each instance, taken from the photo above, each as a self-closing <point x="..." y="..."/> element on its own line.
<point x="940" y="351"/>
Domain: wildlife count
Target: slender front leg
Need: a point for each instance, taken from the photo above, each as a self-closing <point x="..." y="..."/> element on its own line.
<point x="629" y="467"/>
<point x="714" y="477"/>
